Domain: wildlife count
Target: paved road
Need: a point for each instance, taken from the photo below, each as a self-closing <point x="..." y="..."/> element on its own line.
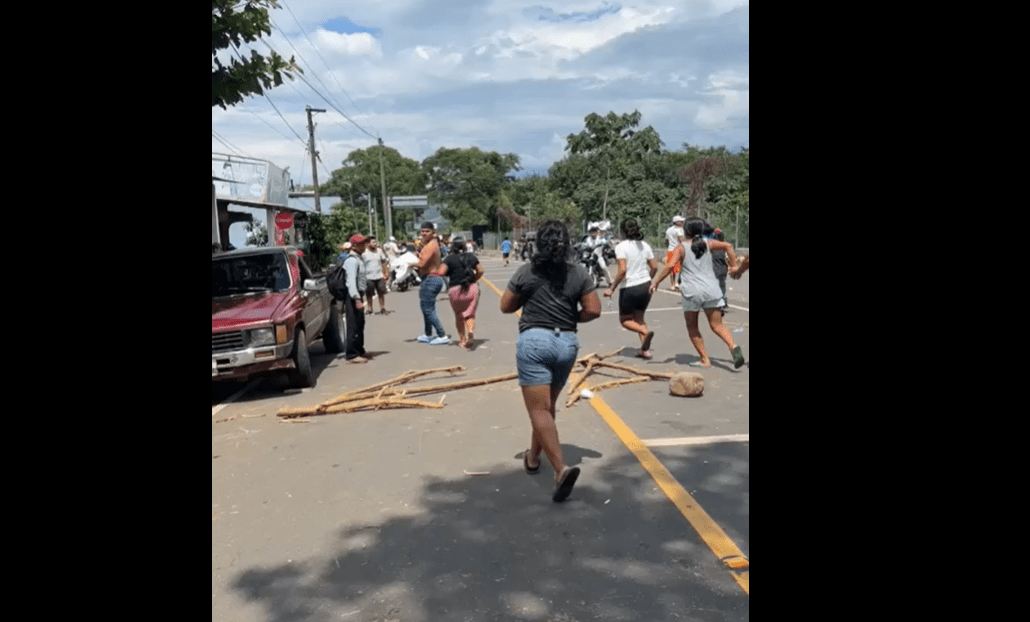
<point x="371" y="516"/>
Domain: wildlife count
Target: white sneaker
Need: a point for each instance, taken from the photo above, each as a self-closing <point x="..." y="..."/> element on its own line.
<point x="423" y="338"/>
<point x="439" y="341"/>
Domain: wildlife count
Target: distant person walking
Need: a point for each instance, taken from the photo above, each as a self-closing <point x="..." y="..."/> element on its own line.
<point x="673" y="237"/>
<point x="463" y="270"/>
<point x="505" y="249"/>
<point x="376" y="271"/>
<point x="554" y="295"/>
<point x="636" y="267"/>
<point x="699" y="289"/>
<point x="428" y="266"/>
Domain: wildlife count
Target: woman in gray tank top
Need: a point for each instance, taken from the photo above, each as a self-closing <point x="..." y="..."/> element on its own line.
<point x="699" y="288"/>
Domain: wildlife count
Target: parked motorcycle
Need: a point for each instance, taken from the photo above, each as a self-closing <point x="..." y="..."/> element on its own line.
<point x="402" y="274"/>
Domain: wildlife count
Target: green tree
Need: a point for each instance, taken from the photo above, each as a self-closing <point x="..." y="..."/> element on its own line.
<point x="257" y="233"/>
<point x="234" y="22"/>
<point x="612" y="171"/>
<point x="360" y="175"/>
<point x="469" y="183"/>
<point x="534" y="197"/>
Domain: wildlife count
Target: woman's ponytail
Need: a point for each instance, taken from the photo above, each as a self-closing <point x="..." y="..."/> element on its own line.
<point x="694" y="228"/>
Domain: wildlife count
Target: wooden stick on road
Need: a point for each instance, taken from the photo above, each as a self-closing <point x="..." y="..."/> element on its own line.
<point x="606" y="385"/>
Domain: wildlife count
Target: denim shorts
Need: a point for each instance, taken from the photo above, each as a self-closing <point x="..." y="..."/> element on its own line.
<point x="545" y="356"/>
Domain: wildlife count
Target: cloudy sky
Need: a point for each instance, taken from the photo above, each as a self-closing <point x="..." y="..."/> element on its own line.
<point x="501" y="75"/>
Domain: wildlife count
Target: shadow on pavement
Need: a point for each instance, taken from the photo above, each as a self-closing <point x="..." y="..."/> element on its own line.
<point x="497" y="548"/>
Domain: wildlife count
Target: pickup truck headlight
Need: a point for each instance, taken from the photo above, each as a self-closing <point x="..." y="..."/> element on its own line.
<point x="262" y="337"/>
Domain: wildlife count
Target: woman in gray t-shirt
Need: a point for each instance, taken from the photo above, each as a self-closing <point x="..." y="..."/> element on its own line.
<point x="699" y="288"/>
<point x="554" y="295"/>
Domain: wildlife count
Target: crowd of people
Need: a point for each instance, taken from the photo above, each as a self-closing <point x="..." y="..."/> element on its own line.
<point x="555" y="294"/>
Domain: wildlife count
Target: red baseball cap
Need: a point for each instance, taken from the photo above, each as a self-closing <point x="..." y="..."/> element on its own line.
<point x="357" y="238"/>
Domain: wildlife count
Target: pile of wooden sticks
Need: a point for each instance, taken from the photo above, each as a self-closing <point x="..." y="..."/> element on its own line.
<point x="390" y="393"/>
<point x="387" y="394"/>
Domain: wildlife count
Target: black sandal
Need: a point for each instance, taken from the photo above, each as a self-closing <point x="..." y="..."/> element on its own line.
<point x="565" y="483"/>
<point x="525" y="464"/>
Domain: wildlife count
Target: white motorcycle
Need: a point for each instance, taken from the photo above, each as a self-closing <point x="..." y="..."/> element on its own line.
<point x="402" y="274"/>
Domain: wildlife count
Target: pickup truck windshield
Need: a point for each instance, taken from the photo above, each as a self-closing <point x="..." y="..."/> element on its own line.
<point x="251" y="273"/>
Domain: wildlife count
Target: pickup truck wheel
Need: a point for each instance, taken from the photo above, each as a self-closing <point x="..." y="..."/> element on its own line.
<point x="302" y="377"/>
<point x="334" y="336"/>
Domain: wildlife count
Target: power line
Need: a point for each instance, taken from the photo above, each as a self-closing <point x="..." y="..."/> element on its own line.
<point x="269" y="124"/>
<point x="227" y="144"/>
<point x="284" y="119"/>
<point x="237" y="51"/>
<point x="334" y="106"/>
<point x="323" y="62"/>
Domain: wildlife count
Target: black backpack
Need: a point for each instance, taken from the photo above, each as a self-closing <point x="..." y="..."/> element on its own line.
<point x="336" y="279"/>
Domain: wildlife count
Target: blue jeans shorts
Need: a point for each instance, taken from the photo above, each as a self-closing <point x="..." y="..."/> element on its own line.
<point x="545" y="356"/>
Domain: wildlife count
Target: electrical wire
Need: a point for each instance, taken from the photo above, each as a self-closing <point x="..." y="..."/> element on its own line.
<point x="227" y="144"/>
<point x="324" y="63"/>
<point x="269" y="125"/>
<point x="314" y="73"/>
<point x="240" y="56"/>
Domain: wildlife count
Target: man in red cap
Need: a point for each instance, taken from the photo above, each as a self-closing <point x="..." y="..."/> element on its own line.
<point x="353" y="306"/>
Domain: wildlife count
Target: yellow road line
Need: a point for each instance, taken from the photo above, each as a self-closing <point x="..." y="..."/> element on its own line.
<point x="497" y="291"/>
<point x="708" y="529"/>
<point x="712" y="535"/>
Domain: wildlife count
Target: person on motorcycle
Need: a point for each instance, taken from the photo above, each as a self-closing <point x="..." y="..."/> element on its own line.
<point x="597" y="243"/>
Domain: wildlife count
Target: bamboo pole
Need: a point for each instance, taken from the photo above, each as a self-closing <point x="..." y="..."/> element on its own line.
<point x="390" y="398"/>
<point x="606" y="385"/>
<point x="653" y="374"/>
<point x="405" y="377"/>
<point x="375" y="403"/>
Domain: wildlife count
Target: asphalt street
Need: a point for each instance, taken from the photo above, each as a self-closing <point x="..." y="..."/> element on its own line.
<point x="424" y="515"/>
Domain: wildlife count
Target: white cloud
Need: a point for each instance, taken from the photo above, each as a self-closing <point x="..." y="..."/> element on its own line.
<point x="734" y="94"/>
<point x="357" y="44"/>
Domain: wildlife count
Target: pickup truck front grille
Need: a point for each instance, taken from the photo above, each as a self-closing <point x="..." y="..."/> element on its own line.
<point x="226" y="342"/>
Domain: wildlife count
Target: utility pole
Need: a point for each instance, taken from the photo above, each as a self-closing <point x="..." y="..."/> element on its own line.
<point x="314" y="156"/>
<point x="386" y="204"/>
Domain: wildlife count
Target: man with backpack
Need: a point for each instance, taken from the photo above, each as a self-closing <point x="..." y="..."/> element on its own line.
<point x="347" y="282"/>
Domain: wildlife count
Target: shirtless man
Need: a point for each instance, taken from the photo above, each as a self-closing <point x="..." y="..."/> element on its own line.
<point x="428" y="267"/>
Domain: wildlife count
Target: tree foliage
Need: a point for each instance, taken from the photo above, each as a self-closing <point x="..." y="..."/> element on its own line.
<point x="234" y="22"/>
<point x="361" y="175"/>
<point x="531" y="200"/>
<point x="611" y="169"/>
<point x="468" y="183"/>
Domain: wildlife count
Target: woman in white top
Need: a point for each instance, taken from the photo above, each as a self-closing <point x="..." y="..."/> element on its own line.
<point x="637" y="267"/>
<point x="699" y="288"/>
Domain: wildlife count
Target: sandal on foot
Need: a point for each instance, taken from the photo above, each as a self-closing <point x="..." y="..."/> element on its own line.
<point x="563" y="488"/>
<point x="644" y="354"/>
<point x="738" y="358"/>
<point x="646" y="345"/>
<point x="525" y="464"/>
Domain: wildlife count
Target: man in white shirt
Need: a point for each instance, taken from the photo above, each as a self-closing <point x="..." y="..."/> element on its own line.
<point x="376" y="272"/>
<point x="674" y="236"/>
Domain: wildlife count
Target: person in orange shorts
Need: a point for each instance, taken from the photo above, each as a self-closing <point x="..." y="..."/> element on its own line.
<point x="674" y="236"/>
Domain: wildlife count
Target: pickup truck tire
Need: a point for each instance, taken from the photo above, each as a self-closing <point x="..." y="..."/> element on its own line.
<point x="334" y="336"/>
<point x="302" y="377"/>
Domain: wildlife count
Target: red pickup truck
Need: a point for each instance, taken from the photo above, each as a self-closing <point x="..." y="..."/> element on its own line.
<point x="266" y="308"/>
